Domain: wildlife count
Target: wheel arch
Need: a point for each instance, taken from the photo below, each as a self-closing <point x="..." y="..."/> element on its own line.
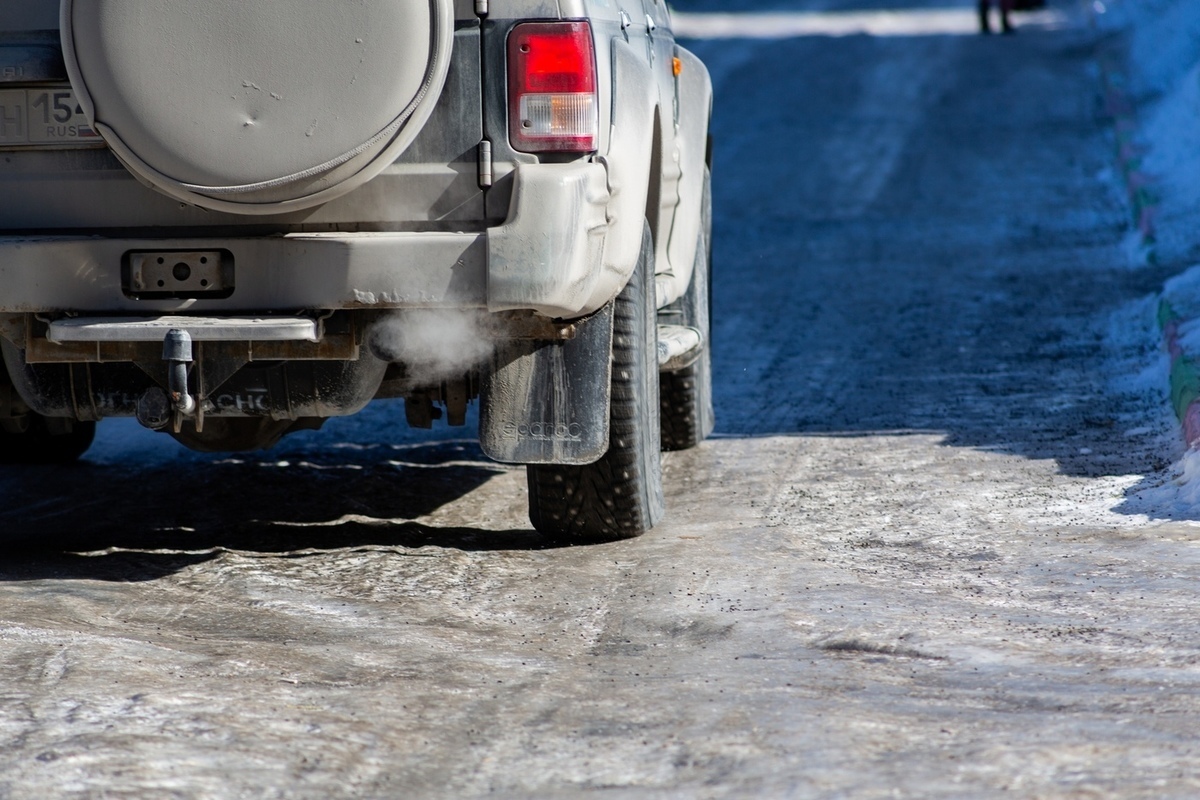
<point x="635" y="138"/>
<point x="694" y="151"/>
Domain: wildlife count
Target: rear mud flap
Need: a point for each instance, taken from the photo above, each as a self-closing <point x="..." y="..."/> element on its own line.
<point x="547" y="402"/>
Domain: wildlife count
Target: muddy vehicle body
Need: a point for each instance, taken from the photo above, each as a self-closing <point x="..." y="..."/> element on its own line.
<point x="235" y="220"/>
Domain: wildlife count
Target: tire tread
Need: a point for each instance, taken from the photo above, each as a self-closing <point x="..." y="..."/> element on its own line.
<point x="619" y="496"/>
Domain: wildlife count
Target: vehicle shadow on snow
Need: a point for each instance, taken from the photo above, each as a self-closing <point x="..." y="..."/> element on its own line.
<point x="141" y="522"/>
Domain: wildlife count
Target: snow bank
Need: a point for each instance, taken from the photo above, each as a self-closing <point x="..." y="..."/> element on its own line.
<point x="1172" y="129"/>
<point x="1165" y="43"/>
<point x="1164" y="39"/>
<point x="1183" y="293"/>
<point x="1178" y="496"/>
<point x="1164" y="78"/>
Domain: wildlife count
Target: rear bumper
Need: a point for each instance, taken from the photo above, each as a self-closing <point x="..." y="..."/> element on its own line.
<point x="547" y="257"/>
<point x="291" y="272"/>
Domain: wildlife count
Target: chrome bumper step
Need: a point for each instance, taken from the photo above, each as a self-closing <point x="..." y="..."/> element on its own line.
<point x="200" y="329"/>
<point x="678" y="346"/>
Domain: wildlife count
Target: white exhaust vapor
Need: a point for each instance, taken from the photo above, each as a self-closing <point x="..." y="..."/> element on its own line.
<point x="434" y="344"/>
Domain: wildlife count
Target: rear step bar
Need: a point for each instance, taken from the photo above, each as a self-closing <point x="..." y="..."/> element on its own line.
<point x="678" y="346"/>
<point x="199" y="329"/>
<point x="158" y="409"/>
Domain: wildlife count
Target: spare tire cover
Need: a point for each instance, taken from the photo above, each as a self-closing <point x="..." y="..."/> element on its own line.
<point x="257" y="106"/>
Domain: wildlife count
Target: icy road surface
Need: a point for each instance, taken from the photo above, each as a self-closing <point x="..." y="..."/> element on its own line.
<point x="919" y="559"/>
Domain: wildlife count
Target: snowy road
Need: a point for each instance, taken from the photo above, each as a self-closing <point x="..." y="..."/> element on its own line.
<point x="921" y="558"/>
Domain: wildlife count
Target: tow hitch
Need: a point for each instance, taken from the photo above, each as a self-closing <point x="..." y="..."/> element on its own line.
<point x="156" y="408"/>
<point x="177" y="352"/>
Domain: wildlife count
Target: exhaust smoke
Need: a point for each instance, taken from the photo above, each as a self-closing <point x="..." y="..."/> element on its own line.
<point x="434" y="344"/>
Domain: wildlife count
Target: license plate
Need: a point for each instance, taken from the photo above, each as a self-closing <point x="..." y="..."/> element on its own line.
<point x="44" y="117"/>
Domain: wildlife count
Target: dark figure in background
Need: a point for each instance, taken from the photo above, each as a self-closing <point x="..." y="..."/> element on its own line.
<point x="1005" y="7"/>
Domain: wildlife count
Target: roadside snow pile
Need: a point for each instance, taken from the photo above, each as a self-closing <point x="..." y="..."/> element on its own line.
<point x="1173" y="131"/>
<point x="1163" y="81"/>
<point x="1181" y="303"/>
<point x="1178" y="496"/>
<point x="1164" y="78"/>
<point x="1166" y="42"/>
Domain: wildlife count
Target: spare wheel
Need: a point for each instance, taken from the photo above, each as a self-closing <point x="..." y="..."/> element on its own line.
<point x="257" y="107"/>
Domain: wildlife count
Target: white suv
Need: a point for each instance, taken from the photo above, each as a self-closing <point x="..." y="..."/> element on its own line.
<point x="234" y="220"/>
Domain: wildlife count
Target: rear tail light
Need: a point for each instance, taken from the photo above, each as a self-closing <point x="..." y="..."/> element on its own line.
<point x="552" y="103"/>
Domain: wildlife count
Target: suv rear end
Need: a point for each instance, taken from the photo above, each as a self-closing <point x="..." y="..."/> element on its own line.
<point x="236" y="220"/>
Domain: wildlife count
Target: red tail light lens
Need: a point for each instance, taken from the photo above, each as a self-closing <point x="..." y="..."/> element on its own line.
<point x="552" y="103"/>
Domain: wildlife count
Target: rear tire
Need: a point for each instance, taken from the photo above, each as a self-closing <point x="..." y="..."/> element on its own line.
<point x="29" y="438"/>
<point x="620" y="496"/>
<point x="34" y="439"/>
<point x="685" y="394"/>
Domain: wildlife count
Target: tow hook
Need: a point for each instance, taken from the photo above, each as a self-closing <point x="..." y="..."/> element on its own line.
<point x="177" y="352"/>
<point x="155" y="408"/>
